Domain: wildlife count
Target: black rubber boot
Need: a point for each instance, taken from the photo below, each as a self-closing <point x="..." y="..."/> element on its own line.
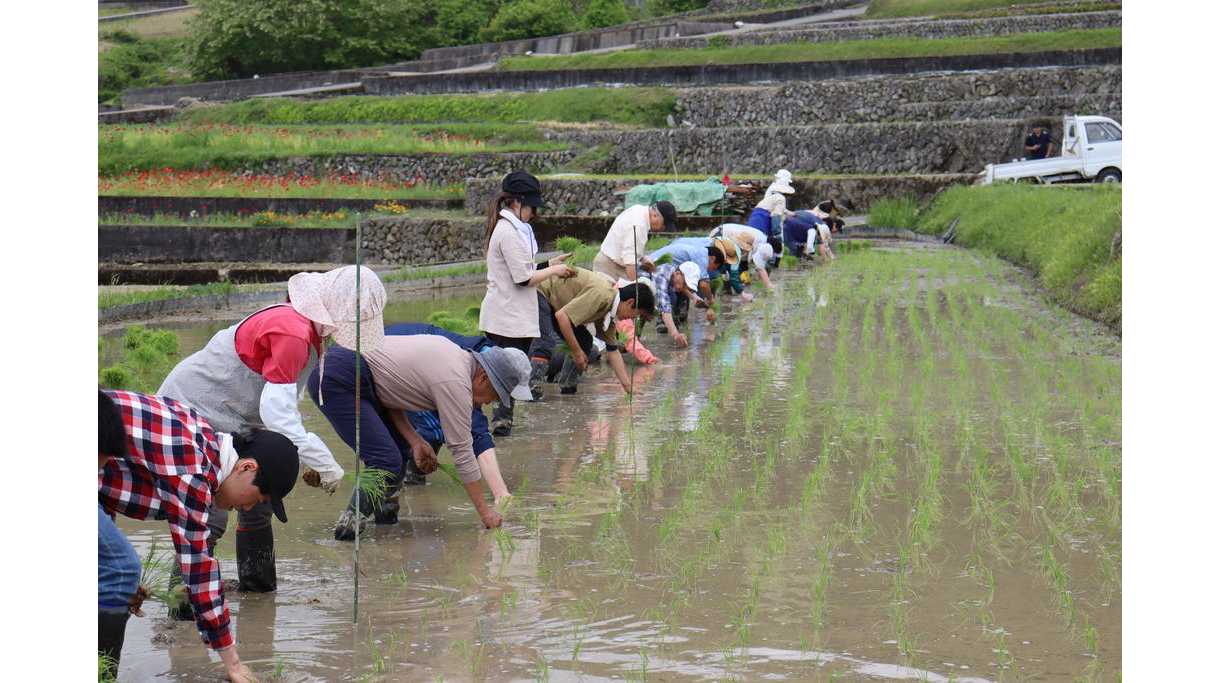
<point x="256" y="560"/>
<point x="568" y="376"/>
<point x="502" y="420"/>
<point x="538" y="370"/>
<point x="111" y="630"/>
<point x="387" y="512"/>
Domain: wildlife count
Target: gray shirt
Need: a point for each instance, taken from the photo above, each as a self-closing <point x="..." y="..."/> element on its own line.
<point x="428" y="372"/>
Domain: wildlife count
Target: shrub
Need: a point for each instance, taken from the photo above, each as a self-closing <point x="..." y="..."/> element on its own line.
<point x="147" y="357"/>
<point x="135" y="62"/>
<point x="519" y="19"/>
<point x="660" y="8"/>
<point x="238" y="39"/>
<point x="601" y="13"/>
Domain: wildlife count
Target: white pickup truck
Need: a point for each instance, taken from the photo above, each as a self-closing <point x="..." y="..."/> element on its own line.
<point x="1092" y="150"/>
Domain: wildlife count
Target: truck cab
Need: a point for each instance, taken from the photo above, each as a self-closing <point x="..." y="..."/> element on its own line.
<point x="1092" y="150"/>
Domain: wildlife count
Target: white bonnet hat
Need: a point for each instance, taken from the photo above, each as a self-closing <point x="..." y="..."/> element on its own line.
<point x="329" y="299"/>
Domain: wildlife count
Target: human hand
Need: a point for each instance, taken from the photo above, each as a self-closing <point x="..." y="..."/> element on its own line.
<point x="311" y="477"/>
<point x="240" y="674"/>
<point x="491" y="518"/>
<point x="679" y="339"/>
<point x="747" y="297"/>
<point x="425" y="457"/>
<point x="580" y="359"/>
<point x="647" y="265"/>
<point x="711" y="315"/>
<point x="558" y="259"/>
<point x="136" y="602"/>
<point x="565" y="271"/>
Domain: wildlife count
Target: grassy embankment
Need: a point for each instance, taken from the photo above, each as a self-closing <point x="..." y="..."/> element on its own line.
<point x="126" y="148"/>
<point x="215" y="183"/>
<point x="1065" y="235"/>
<point x="626" y="106"/>
<point x="824" y="52"/>
<point x="144" y="52"/>
<point x="887" y="9"/>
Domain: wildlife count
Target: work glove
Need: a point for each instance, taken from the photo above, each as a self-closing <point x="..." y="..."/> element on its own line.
<point x="311" y="477"/>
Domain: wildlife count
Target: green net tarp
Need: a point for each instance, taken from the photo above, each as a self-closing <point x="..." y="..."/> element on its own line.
<point x="687" y="197"/>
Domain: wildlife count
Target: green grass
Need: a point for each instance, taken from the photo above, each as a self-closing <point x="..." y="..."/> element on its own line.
<point x="1063" y="234"/>
<point x="894" y="213"/>
<point x="145" y="357"/>
<point x="112" y="298"/>
<point x="261" y="219"/>
<point x="878" y="9"/>
<point x="126" y="148"/>
<point x="215" y="183"/>
<point x="636" y="106"/>
<point x="819" y="52"/>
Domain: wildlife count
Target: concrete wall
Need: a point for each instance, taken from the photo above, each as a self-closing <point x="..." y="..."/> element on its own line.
<point x="594" y="196"/>
<point x="1005" y="93"/>
<point x="237" y="89"/>
<point x="433" y="169"/>
<point x="725" y="74"/>
<point x="581" y="41"/>
<point x="180" y="244"/>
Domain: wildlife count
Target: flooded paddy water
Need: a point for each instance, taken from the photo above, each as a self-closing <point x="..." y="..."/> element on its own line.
<point x="904" y="465"/>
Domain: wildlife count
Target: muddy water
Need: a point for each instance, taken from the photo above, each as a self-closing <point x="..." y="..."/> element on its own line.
<point x="902" y="466"/>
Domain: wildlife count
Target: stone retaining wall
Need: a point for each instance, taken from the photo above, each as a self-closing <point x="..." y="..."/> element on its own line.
<point x="867" y="30"/>
<point x="203" y="206"/>
<point x="1003" y="93"/>
<point x="434" y="169"/>
<point x="594" y="196"/>
<point x="889" y="148"/>
<point x="723" y="74"/>
<point x="406" y="240"/>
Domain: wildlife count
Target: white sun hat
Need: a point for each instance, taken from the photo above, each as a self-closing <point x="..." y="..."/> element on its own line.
<point x="690" y="272"/>
<point x="783" y="183"/>
<point x="329" y="299"/>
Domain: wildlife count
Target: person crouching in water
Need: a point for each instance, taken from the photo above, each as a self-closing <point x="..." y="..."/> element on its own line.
<point x="427" y="424"/>
<point x="177" y="467"/>
<point x="413" y="373"/>
<point x="584" y="299"/>
<point x="247" y="375"/>
<point x="804" y="234"/>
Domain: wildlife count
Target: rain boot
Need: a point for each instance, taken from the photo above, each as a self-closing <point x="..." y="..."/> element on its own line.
<point x="351" y="521"/>
<point x="538" y="370"/>
<point x="567" y="376"/>
<point x="111" y="629"/>
<point x="256" y="559"/>
<point x="387" y="512"/>
<point x="502" y="420"/>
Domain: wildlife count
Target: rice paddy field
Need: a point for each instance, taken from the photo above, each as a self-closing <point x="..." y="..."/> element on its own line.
<point x="904" y="465"/>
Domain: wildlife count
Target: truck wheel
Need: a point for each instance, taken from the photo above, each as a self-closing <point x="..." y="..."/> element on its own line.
<point x="1110" y="175"/>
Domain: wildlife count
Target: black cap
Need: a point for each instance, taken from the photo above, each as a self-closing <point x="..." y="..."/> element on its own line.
<point x="524" y="187"/>
<point x="278" y="464"/>
<point x="670" y="215"/>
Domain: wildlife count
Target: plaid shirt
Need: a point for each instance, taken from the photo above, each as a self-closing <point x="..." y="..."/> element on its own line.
<point x="170" y="472"/>
<point x="661" y="287"/>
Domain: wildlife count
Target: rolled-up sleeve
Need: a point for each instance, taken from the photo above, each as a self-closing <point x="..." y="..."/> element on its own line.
<point x="453" y="403"/>
<point x="185" y="502"/>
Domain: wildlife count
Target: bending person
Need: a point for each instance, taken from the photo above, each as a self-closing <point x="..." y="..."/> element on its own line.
<point x="247" y="376"/>
<point x="589" y="298"/>
<point x="755" y="246"/>
<point x="627" y="239"/>
<point x="773" y="207"/>
<point x="509" y="313"/>
<point x="176" y="467"/>
<point x="414" y="373"/>
<point x="427" y="423"/>
<point x="671" y="283"/>
<point x="804" y="233"/>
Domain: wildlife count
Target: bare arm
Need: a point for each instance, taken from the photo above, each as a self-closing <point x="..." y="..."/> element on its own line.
<point x="491" y="474"/>
<point x="766" y="279"/>
<point x="677" y="336"/>
<point x="615" y="359"/>
<point x="558" y="270"/>
<point x="421" y="450"/>
<point x="569" y="336"/>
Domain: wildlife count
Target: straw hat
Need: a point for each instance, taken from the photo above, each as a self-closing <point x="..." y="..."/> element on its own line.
<point x="728" y="248"/>
<point x="329" y="299"/>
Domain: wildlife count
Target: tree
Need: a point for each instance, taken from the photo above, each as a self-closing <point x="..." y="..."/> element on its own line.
<point x="240" y="38"/>
<point x="529" y="19"/>
<point x="600" y="13"/>
<point x="458" y="22"/>
<point x="660" y="8"/>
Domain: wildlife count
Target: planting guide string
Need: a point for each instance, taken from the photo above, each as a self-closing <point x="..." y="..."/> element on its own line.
<point x="356" y="546"/>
